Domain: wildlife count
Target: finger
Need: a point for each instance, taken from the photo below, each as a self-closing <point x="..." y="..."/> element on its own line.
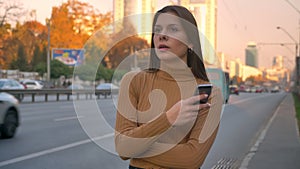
<point x="205" y="105"/>
<point x="197" y="107"/>
<point x="197" y="98"/>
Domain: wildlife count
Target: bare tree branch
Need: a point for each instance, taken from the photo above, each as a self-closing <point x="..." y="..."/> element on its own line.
<point x="12" y="11"/>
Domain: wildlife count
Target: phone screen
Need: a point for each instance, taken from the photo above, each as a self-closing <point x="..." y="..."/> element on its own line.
<point x="204" y="89"/>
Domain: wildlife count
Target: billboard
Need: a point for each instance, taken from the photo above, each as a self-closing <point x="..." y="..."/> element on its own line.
<point x="70" y="57"/>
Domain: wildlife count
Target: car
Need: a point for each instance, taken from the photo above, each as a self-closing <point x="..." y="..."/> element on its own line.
<point x="9" y="115"/>
<point x="11" y="84"/>
<point x="253" y="89"/>
<point x="234" y="89"/>
<point x="275" y="89"/>
<point x="32" y="84"/>
<point x="47" y="84"/>
<point x="75" y="87"/>
<point x="107" y="86"/>
<point x="259" y="90"/>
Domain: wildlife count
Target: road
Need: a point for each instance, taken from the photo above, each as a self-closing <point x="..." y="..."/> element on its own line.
<point x="53" y="135"/>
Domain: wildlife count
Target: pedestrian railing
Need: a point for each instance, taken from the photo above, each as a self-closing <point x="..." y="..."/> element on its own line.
<point x="68" y="94"/>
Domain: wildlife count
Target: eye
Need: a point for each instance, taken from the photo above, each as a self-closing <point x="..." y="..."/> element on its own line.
<point x="157" y="29"/>
<point x="173" y="28"/>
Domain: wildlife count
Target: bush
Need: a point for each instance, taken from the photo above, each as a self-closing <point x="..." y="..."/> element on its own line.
<point x="297" y="107"/>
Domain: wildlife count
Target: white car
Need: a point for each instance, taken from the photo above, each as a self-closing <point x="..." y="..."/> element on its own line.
<point x="11" y="84"/>
<point x="9" y="115"/>
<point x="107" y="86"/>
<point x="32" y="84"/>
<point x="75" y="87"/>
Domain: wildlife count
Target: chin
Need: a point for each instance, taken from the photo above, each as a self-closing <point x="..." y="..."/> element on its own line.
<point x="165" y="55"/>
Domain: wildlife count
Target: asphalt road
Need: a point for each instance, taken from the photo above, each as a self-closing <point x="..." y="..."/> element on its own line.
<point x="57" y="134"/>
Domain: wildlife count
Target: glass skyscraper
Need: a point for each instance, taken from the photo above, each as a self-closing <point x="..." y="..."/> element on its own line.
<point x="251" y="55"/>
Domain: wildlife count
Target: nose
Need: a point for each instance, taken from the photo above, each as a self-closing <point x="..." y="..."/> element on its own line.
<point x="163" y="37"/>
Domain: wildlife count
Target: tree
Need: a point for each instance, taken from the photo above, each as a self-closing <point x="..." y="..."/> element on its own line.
<point x="21" y="62"/>
<point x="95" y="48"/>
<point x="73" y="22"/>
<point x="236" y="80"/>
<point x="36" y="59"/>
<point x="86" y="71"/>
<point x="124" y="48"/>
<point x="105" y="74"/>
<point x="10" y="12"/>
<point x="59" y="69"/>
<point x="41" y="68"/>
<point x="30" y="35"/>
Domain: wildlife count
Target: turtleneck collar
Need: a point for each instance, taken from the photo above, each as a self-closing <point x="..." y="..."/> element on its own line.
<point x="176" y="72"/>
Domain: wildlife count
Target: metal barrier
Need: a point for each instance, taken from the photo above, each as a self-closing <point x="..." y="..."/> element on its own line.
<point x="89" y="93"/>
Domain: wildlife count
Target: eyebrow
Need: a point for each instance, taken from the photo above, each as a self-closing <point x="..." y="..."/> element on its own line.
<point x="167" y="25"/>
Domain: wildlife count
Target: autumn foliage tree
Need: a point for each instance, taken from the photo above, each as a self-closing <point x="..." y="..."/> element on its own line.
<point x="71" y="25"/>
<point x="10" y="12"/>
<point x="73" y="22"/>
<point x="124" y="45"/>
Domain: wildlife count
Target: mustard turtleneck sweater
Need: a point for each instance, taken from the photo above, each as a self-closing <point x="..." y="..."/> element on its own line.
<point x="143" y="133"/>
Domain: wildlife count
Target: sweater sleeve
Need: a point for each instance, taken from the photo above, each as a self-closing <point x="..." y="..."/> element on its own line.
<point x="132" y="139"/>
<point x="193" y="153"/>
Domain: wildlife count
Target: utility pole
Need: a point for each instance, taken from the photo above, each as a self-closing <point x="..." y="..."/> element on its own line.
<point x="48" y="50"/>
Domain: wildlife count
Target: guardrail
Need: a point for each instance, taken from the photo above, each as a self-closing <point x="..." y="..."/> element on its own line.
<point x="76" y="94"/>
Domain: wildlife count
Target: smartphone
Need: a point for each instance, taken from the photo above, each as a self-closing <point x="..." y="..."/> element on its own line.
<point x="204" y="89"/>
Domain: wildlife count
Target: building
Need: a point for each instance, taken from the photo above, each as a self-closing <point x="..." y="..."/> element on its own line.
<point x="251" y="55"/>
<point x="278" y="73"/>
<point x="205" y="12"/>
<point x="238" y="69"/>
<point x="136" y="14"/>
<point x="277" y="62"/>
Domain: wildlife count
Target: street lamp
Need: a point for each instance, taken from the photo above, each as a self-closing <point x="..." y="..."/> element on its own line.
<point x="297" y="55"/>
<point x="48" y="50"/>
<point x="282" y="44"/>
<point x="296" y="43"/>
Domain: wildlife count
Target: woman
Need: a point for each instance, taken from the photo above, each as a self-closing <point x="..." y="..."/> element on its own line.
<point x="160" y="123"/>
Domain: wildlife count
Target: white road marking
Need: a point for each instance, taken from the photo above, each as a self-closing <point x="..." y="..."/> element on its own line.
<point x="52" y="150"/>
<point x="67" y="118"/>
<point x="259" y="140"/>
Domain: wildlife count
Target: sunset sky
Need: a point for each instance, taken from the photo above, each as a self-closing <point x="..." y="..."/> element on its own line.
<point x="239" y="22"/>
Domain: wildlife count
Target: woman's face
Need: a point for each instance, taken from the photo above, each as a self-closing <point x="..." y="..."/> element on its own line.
<point x="170" y="39"/>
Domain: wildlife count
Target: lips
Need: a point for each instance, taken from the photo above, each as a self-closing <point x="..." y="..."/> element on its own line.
<point x="163" y="46"/>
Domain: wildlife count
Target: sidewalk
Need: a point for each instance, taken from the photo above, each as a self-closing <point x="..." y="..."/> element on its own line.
<point x="280" y="146"/>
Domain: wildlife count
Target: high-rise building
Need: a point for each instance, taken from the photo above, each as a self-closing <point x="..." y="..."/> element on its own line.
<point x="251" y="55"/>
<point x="205" y="12"/>
<point x="138" y="13"/>
<point x="277" y="62"/>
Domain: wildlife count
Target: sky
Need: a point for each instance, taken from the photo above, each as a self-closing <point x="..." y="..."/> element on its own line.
<point x="239" y="22"/>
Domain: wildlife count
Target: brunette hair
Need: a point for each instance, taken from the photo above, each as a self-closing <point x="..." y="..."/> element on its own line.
<point x="194" y="56"/>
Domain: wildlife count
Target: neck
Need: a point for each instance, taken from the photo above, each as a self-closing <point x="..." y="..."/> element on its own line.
<point x="177" y="70"/>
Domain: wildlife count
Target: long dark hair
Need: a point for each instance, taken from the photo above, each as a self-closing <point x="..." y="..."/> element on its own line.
<point x="194" y="56"/>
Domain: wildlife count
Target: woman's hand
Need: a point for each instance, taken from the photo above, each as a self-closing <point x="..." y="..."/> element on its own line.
<point x="185" y="111"/>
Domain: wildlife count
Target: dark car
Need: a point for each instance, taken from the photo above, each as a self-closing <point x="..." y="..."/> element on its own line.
<point x="9" y="115"/>
<point x="234" y="90"/>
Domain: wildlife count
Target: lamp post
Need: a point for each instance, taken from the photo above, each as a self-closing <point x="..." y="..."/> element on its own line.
<point x="297" y="57"/>
<point x="48" y="50"/>
<point x="296" y="53"/>
<point x="296" y="43"/>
